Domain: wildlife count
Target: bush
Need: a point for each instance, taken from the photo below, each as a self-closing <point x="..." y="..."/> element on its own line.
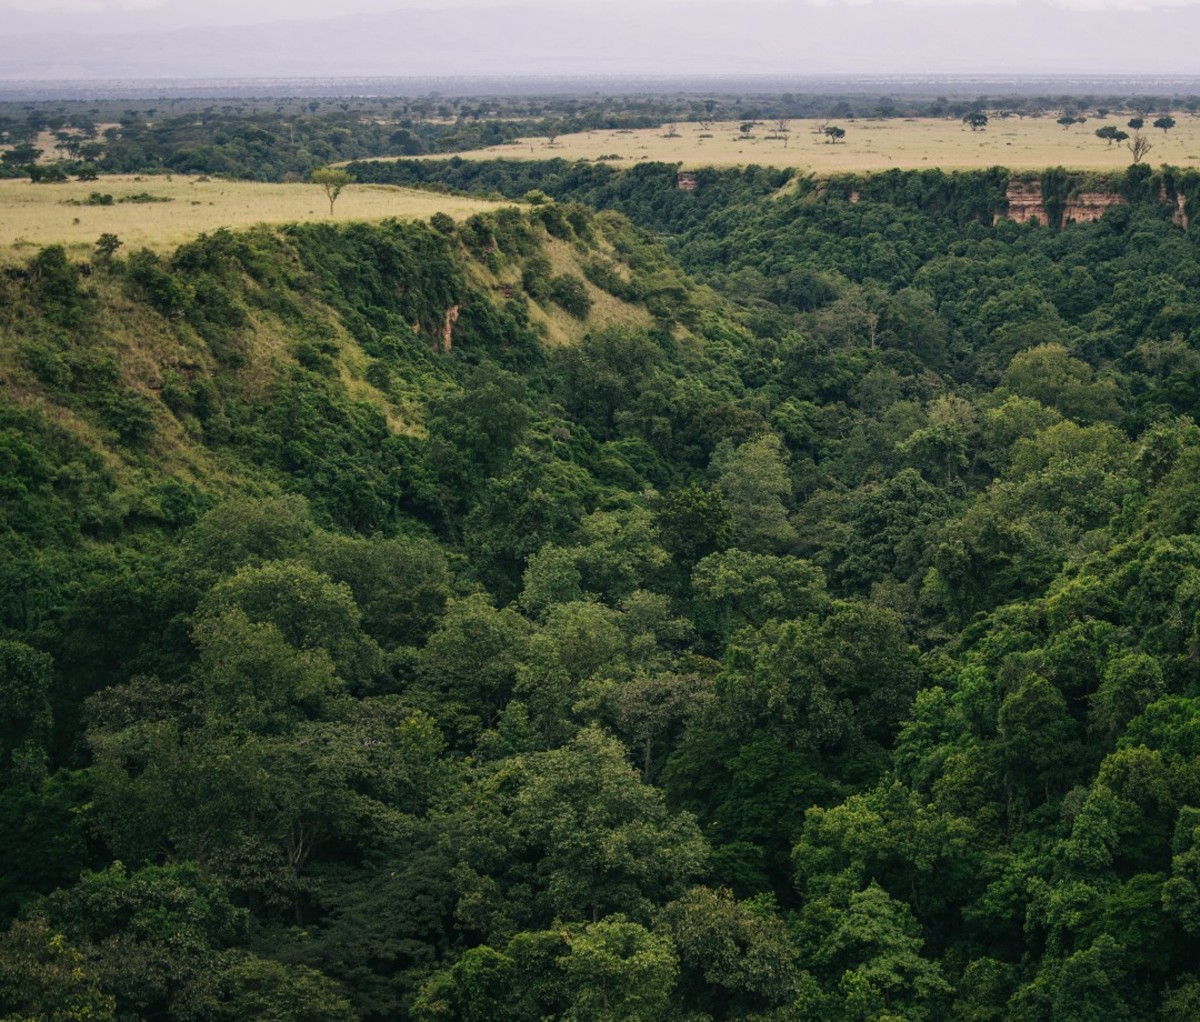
<point x="535" y="278"/>
<point x="167" y="293"/>
<point x="570" y="293"/>
<point x="144" y="197"/>
<point x="51" y="175"/>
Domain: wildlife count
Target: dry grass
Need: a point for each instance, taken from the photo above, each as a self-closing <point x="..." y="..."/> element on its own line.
<point x="870" y="145"/>
<point x="35" y="215"/>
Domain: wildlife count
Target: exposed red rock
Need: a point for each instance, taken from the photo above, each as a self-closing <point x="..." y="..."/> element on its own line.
<point x="1087" y="207"/>
<point x="1024" y="203"/>
<point x="448" y="328"/>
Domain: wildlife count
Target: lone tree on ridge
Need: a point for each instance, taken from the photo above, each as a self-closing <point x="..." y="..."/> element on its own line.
<point x="333" y="181"/>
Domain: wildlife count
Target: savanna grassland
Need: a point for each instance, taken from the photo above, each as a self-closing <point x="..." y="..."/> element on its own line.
<point x="162" y="212"/>
<point x="1028" y="143"/>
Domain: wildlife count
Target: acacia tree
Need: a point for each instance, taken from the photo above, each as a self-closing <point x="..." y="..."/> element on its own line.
<point x="976" y="119"/>
<point x="1166" y="123"/>
<point x="1139" y="145"/>
<point x="333" y="181"/>
<point x="834" y="133"/>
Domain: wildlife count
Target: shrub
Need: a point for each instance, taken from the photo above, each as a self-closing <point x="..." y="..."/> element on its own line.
<point x="570" y="293"/>
<point x="535" y="278"/>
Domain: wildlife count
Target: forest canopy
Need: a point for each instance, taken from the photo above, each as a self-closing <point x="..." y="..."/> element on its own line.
<point x="751" y="604"/>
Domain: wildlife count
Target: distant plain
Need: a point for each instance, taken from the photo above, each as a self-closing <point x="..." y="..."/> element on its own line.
<point x="1029" y="143"/>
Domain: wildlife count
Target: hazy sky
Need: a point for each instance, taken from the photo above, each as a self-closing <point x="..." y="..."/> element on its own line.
<point x="218" y="12"/>
<point x="136" y="39"/>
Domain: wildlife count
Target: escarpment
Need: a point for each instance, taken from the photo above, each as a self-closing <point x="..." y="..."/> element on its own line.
<point x="1026" y="201"/>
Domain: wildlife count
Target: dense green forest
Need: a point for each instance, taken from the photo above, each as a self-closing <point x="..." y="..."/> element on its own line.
<point x="632" y="604"/>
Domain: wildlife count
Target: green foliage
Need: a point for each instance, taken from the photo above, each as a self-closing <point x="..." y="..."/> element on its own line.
<point x="570" y="293"/>
<point x="346" y="676"/>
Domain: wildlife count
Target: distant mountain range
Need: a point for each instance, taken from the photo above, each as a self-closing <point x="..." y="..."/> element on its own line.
<point x="595" y="40"/>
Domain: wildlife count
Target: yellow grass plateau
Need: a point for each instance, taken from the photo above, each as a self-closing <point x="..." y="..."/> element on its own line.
<point x="1030" y="143"/>
<point x="35" y="215"/>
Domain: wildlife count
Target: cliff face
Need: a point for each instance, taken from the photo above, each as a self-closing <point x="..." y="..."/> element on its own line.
<point x="1025" y="201"/>
<point x="1089" y="206"/>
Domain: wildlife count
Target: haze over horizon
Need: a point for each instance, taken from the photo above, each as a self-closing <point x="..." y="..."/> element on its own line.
<point x="136" y="39"/>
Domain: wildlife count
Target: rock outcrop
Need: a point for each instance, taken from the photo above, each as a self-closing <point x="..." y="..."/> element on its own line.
<point x="1087" y="207"/>
<point x="448" y="327"/>
<point x="1026" y="201"/>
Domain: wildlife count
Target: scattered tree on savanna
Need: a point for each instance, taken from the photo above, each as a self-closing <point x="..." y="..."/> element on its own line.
<point x="1136" y="123"/>
<point x="672" y="129"/>
<point x="976" y="120"/>
<point x="20" y="155"/>
<point x="332" y="180"/>
<point x="745" y="128"/>
<point x="781" y="125"/>
<point x="834" y="133"/>
<point x="1166" y="123"/>
<point x="1111" y="133"/>
<point x="552" y="133"/>
<point x="1069" y="119"/>
<point x="1139" y="145"/>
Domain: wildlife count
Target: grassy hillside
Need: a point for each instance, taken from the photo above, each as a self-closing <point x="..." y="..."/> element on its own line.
<point x="144" y="357"/>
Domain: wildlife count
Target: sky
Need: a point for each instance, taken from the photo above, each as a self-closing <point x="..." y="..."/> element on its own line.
<point x="132" y="39"/>
<point x="227" y="12"/>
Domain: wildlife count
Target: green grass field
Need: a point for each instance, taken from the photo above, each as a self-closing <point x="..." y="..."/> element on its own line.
<point x="870" y="145"/>
<point x="35" y="215"/>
